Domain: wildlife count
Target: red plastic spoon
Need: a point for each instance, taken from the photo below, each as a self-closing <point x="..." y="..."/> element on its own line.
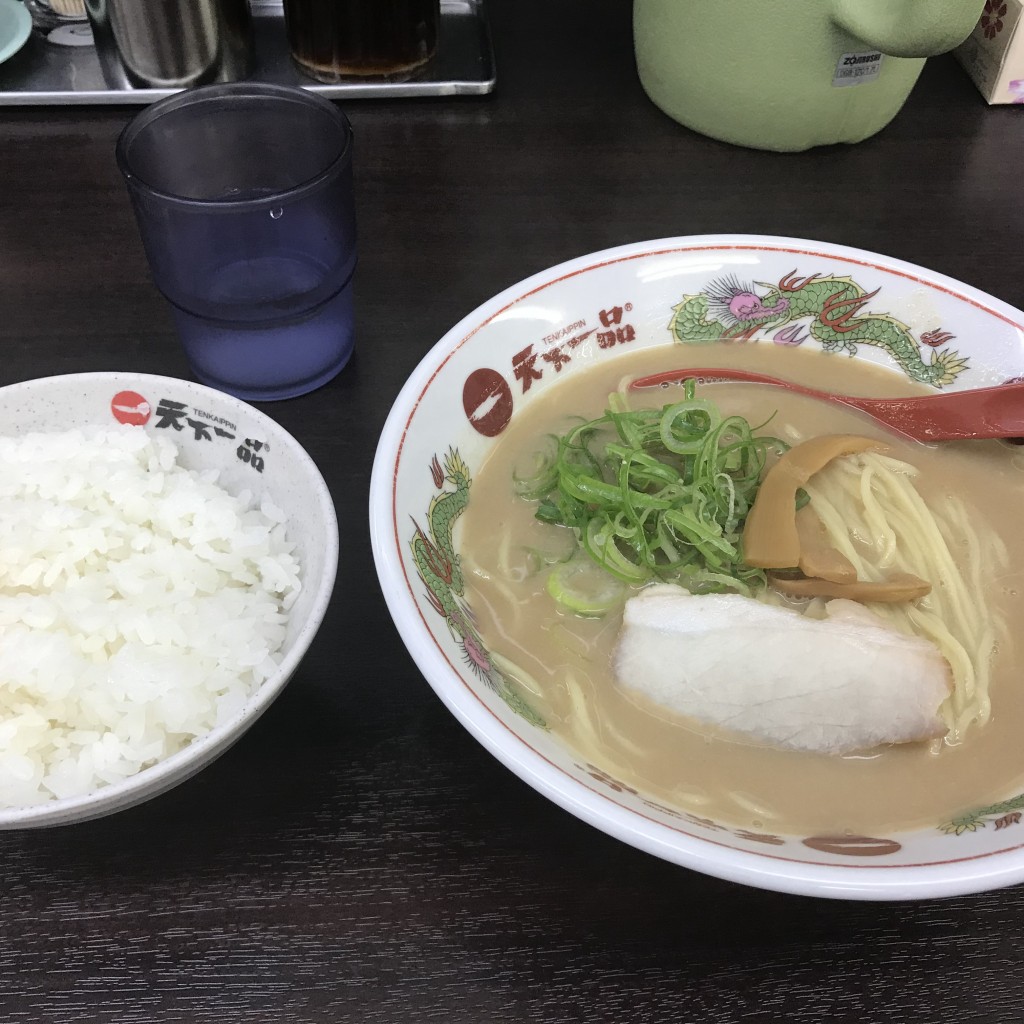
<point x="984" y="412"/>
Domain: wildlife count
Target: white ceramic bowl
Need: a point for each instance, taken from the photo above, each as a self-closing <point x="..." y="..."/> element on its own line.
<point x="505" y="354"/>
<point x="251" y="452"/>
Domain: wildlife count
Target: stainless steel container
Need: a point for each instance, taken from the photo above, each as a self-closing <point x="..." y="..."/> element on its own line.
<point x="171" y="43"/>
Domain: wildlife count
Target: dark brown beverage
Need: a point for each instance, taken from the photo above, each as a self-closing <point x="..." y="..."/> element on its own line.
<point x="336" y="39"/>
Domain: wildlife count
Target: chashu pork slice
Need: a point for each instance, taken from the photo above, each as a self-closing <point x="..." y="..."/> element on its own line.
<point x="836" y="685"/>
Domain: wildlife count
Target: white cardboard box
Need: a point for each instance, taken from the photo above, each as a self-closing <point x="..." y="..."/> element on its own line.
<point x="993" y="54"/>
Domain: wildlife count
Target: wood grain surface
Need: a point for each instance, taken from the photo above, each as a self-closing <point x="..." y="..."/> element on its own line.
<point x="358" y="857"/>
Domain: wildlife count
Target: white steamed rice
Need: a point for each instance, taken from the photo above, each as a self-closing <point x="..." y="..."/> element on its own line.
<point x="141" y="605"/>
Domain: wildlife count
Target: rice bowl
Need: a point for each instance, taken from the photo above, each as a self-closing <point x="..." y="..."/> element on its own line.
<point x="238" y="513"/>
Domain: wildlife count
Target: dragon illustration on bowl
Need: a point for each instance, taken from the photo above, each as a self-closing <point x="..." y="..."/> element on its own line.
<point x="438" y="566"/>
<point x="826" y="307"/>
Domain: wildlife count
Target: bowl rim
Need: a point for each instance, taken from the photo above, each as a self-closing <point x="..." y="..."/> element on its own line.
<point x="956" y="876"/>
<point x="171" y="770"/>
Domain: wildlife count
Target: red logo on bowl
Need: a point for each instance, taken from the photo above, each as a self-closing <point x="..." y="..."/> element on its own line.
<point x="487" y="400"/>
<point x="130" y="407"/>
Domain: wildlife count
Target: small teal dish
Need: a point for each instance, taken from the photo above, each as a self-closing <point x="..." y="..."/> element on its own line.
<point x="15" y="27"/>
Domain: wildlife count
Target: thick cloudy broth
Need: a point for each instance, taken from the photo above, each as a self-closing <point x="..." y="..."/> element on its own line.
<point x="681" y="763"/>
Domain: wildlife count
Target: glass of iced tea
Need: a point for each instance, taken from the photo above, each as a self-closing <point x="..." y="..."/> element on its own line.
<point x="339" y="40"/>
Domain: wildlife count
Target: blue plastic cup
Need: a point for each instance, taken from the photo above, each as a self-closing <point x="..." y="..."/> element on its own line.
<point x="243" y="196"/>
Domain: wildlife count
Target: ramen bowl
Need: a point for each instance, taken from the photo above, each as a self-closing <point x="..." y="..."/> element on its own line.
<point x="250" y="453"/>
<point x="504" y="356"/>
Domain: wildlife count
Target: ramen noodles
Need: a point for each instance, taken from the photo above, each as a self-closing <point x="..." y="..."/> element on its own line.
<point x="620" y="601"/>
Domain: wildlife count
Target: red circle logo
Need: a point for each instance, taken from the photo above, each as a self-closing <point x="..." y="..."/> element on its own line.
<point x="130" y="407"/>
<point x="487" y="400"/>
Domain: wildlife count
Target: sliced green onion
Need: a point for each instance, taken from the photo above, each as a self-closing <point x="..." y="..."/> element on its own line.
<point x="658" y="494"/>
<point x="602" y="543"/>
<point x="583" y="588"/>
<point x="540" y="473"/>
<point x="684" y="426"/>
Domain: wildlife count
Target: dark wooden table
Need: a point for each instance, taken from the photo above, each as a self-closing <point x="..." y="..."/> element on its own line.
<point x="358" y="857"/>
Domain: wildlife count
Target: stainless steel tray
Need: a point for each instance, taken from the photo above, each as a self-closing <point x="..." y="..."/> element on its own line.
<point x="44" y="73"/>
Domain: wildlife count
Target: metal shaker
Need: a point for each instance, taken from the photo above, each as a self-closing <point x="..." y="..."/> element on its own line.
<point x="171" y="44"/>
